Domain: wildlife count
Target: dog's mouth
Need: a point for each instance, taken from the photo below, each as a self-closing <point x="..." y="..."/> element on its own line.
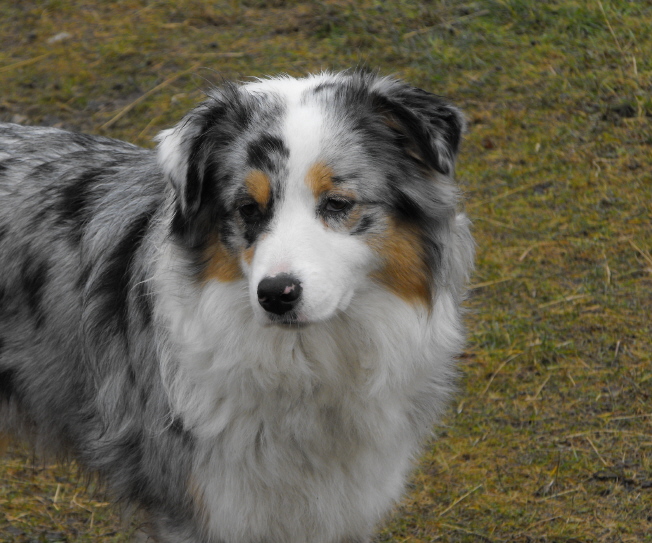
<point x="290" y="321"/>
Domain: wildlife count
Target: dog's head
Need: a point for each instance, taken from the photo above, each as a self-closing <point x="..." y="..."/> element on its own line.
<point x="314" y="190"/>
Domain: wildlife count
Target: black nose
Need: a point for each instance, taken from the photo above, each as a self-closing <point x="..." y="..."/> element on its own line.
<point x="279" y="294"/>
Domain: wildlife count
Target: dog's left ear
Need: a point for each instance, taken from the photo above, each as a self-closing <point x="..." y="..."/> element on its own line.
<point x="428" y="127"/>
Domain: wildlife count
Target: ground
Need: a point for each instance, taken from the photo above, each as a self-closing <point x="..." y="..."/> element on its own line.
<point x="550" y="436"/>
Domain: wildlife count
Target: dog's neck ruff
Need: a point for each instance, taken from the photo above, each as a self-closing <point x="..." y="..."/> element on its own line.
<point x="263" y="400"/>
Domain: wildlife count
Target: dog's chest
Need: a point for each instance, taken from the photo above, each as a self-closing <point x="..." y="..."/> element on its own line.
<point x="296" y="442"/>
<point x="288" y="462"/>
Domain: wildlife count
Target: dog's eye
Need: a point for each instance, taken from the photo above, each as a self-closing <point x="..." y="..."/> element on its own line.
<point x="249" y="211"/>
<point x="337" y="205"/>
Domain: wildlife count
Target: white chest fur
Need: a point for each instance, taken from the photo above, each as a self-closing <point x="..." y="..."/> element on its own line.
<point x="307" y="434"/>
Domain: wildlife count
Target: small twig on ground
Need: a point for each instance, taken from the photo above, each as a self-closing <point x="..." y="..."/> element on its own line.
<point x="536" y="394"/>
<point x="630" y="417"/>
<point x="552" y="496"/>
<point x="607" y="271"/>
<point x="613" y="34"/>
<point x="502" y="195"/>
<point x="226" y="54"/>
<point x="459" y="500"/>
<point x="493" y="375"/>
<point x="497" y="223"/>
<point x="24" y="63"/>
<point x="55" y="499"/>
<point x="153" y="121"/>
<point x="153" y="90"/>
<point x="490" y="283"/>
<point x="445" y="24"/>
<point x="605" y="431"/>
<point x="618" y="343"/>
<point x="564" y="299"/>
<point x="542" y="521"/>
<point x="482" y="537"/>
<point x="646" y="256"/>
<point x="74" y="501"/>
<point x="596" y="451"/>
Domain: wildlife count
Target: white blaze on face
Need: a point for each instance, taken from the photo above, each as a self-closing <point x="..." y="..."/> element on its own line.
<point x="328" y="264"/>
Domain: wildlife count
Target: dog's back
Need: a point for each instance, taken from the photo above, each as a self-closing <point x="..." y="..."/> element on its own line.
<point x="78" y="362"/>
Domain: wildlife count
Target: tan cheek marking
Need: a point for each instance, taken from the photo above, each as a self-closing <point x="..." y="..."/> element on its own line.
<point x="248" y="255"/>
<point x="259" y="187"/>
<point x="221" y="265"/>
<point x="404" y="271"/>
<point x="319" y="179"/>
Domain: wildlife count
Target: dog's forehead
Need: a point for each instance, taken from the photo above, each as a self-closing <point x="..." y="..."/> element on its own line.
<point x="310" y="139"/>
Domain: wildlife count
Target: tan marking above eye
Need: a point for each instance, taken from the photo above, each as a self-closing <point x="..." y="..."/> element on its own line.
<point x="320" y="179"/>
<point x="404" y="271"/>
<point x="259" y="187"/>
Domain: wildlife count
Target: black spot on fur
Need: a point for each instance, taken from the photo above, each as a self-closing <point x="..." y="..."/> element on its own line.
<point x="406" y="208"/>
<point x="260" y="153"/>
<point x="43" y="171"/>
<point x="74" y="205"/>
<point x="177" y="428"/>
<point x="83" y="140"/>
<point x="7" y="384"/>
<point x="363" y="226"/>
<point x="325" y="86"/>
<point x="6" y="164"/>
<point x="131" y="458"/>
<point x="34" y="278"/>
<point x="180" y="226"/>
<point x="114" y="283"/>
<point x="82" y="280"/>
<point x="259" y="441"/>
<point x="144" y="302"/>
<point x="252" y="231"/>
<point x="131" y="377"/>
<point x="193" y="187"/>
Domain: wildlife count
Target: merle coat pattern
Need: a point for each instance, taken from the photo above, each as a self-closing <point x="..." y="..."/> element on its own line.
<point x="137" y="333"/>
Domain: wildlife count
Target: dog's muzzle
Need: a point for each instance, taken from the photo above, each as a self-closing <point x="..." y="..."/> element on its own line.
<point x="279" y="294"/>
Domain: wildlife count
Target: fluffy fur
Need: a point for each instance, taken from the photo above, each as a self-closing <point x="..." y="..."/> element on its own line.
<point x="248" y="332"/>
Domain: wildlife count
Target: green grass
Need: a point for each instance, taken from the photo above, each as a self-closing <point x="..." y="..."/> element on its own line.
<point x="550" y="438"/>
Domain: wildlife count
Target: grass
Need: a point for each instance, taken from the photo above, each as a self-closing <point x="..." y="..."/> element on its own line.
<point x="550" y="439"/>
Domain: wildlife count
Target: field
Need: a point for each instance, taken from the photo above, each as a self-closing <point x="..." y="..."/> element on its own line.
<point x="550" y="436"/>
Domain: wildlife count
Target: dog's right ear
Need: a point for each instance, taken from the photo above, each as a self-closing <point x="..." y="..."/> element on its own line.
<point x="177" y="150"/>
<point x="187" y="152"/>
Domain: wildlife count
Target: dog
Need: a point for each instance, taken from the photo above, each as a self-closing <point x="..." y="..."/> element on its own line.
<point x="250" y="331"/>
